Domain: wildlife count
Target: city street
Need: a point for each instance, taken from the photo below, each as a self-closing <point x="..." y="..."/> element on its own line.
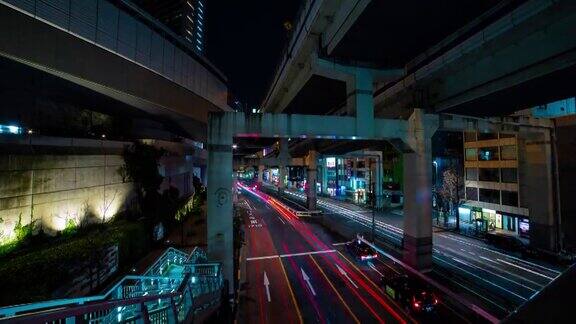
<point x="497" y="281"/>
<point x="287" y="161"/>
<point x="297" y="272"/>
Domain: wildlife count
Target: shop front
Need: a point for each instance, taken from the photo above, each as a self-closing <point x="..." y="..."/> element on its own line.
<point x="489" y="220"/>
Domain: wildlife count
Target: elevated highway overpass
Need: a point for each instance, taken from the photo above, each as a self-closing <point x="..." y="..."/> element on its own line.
<point x="110" y="55"/>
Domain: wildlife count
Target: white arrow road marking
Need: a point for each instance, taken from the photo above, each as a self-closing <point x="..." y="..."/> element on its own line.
<point x="307" y="279"/>
<point x="342" y="272"/>
<point x="267" y="285"/>
<point x="371" y="265"/>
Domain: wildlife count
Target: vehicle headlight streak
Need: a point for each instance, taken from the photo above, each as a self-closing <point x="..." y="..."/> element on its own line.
<point x="314" y="241"/>
<point x="392" y="232"/>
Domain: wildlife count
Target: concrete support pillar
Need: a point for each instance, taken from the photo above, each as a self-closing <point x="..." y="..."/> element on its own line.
<point x="418" y="190"/>
<point x="260" y="174"/>
<point x="219" y="220"/>
<point x="324" y="181"/>
<point x="378" y="183"/>
<point x="312" y="175"/>
<point x="281" y="177"/>
<point x="234" y="189"/>
<point x="360" y="102"/>
<point x="283" y="160"/>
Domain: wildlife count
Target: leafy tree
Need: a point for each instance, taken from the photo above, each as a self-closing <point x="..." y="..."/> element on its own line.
<point x="450" y="191"/>
<point x="141" y="166"/>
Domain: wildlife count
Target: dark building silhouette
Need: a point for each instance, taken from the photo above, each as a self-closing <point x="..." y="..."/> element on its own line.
<point x="184" y="17"/>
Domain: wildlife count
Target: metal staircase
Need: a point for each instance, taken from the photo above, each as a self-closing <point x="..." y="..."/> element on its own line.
<point x="177" y="288"/>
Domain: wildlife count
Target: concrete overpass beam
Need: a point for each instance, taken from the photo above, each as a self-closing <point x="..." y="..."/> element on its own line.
<point x="418" y="190"/>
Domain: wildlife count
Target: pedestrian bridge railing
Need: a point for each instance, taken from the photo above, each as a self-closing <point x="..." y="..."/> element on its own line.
<point x="175" y="289"/>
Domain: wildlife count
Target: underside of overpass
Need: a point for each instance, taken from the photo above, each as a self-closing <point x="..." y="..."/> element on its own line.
<point x="72" y="70"/>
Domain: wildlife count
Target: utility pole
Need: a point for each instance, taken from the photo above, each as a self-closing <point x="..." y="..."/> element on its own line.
<point x="373" y="212"/>
<point x="457" y="199"/>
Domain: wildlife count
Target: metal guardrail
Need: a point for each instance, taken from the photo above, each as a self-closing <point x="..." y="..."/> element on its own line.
<point x="302" y="213"/>
<point x="385" y="233"/>
<point x="174" y="289"/>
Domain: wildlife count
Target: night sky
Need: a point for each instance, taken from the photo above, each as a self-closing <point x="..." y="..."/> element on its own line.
<point x="244" y="40"/>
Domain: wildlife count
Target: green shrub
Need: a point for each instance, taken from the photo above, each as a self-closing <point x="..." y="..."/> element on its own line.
<point x="35" y="275"/>
<point x="70" y="228"/>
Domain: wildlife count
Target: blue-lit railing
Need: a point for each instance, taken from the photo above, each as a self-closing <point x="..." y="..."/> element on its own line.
<point x="176" y="288"/>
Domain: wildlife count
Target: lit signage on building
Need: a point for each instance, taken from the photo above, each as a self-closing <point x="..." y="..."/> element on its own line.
<point x="330" y="162"/>
<point x="10" y="129"/>
<point x="524" y="227"/>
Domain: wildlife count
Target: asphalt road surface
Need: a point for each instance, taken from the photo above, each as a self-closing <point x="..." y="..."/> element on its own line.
<point x="298" y="272"/>
<point x="497" y="281"/>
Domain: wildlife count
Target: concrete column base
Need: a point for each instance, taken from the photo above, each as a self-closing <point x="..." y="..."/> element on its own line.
<point x="312" y="176"/>
<point x="311" y="202"/>
<point x="418" y="252"/>
<point x="260" y="174"/>
<point x="220" y="233"/>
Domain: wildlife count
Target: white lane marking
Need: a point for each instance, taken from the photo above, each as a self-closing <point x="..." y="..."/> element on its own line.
<point x="498" y="267"/>
<point x="341" y="243"/>
<point x="289" y="255"/>
<point x="267" y="285"/>
<point x="497" y="252"/>
<point x="494" y="274"/>
<point x="525" y="269"/>
<point x="342" y="272"/>
<point x="388" y="266"/>
<point x="472" y="291"/>
<point x="487" y="281"/>
<point x="478" y="310"/>
<point x="307" y="279"/>
<point x="280" y="218"/>
<point x="489" y="260"/>
<point x="371" y="265"/>
<point x="354" y="214"/>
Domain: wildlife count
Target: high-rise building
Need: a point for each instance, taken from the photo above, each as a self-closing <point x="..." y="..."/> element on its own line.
<point x="185" y="17"/>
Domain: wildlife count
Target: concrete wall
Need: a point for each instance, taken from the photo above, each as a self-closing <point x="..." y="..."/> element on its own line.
<point x="536" y="187"/>
<point x="177" y="172"/>
<point x="566" y="148"/>
<point x="52" y="189"/>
